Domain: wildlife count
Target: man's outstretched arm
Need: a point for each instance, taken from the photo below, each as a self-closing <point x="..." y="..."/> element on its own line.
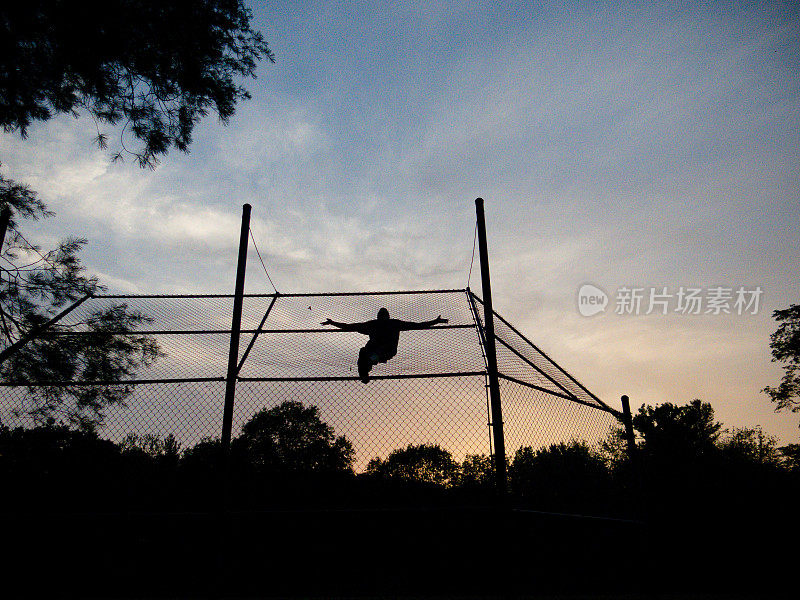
<point x="423" y="324"/>
<point x="344" y="326"/>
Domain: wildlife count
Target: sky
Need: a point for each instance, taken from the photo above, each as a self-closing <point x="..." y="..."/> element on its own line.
<point x="636" y="148"/>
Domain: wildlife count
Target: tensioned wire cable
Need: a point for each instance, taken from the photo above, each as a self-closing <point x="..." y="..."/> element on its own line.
<point x="266" y="272"/>
<point x="252" y="237"/>
<point x="472" y="262"/>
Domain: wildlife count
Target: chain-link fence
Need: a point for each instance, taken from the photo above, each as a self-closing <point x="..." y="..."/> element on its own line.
<point x="434" y="391"/>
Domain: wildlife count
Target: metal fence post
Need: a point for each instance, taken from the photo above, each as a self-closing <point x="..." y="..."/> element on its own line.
<point x="236" y="326"/>
<point x="223" y="516"/>
<point x="627" y="420"/>
<point x="5" y="217"/>
<point x="637" y="468"/>
<point x="501" y="469"/>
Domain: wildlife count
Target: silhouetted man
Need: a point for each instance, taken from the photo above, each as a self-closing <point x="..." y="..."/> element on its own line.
<point x="384" y="334"/>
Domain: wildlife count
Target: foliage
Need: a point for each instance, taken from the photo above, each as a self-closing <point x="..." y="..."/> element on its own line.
<point x="785" y="344"/>
<point x="752" y="445"/>
<point x="683" y="438"/>
<point x="108" y="351"/>
<point x="679" y="455"/>
<point x="292" y="438"/>
<point x="614" y="448"/>
<point x="677" y="433"/>
<point x="153" y="68"/>
<point x="690" y="469"/>
<point x="48" y="445"/>
<point x="423" y="463"/>
<point x="35" y="286"/>
<point x="475" y="471"/>
<point x="151" y="446"/>
<point x="201" y="468"/>
<point x="57" y="468"/>
<point x="790" y="457"/>
<point x="206" y="452"/>
<point x="559" y="476"/>
<point x="22" y="201"/>
<point x="156" y="68"/>
<point x="287" y="456"/>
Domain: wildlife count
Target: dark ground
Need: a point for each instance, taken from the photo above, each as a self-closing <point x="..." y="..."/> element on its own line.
<point x="439" y="552"/>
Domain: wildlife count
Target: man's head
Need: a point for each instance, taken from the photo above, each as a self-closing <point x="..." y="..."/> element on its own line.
<point x="383" y="314"/>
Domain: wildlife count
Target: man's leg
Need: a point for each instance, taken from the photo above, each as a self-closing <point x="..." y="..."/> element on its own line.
<point x="365" y="363"/>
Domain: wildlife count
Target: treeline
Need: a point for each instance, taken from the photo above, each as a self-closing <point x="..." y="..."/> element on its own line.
<point x="286" y="456"/>
<point x="702" y="507"/>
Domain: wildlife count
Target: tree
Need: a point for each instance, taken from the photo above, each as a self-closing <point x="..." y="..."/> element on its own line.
<point x="204" y="457"/>
<point x="790" y="455"/>
<point x="150" y="467"/>
<point x="475" y="472"/>
<point x="155" y="68"/>
<point x="560" y="476"/>
<point x="614" y="449"/>
<point x="750" y="445"/>
<point x="685" y="475"/>
<point x="34" y="287"/>
<point x="292" y="438"/>
<point x="152" y="447"/>
<point x="672" y="433"/>
<point x="423" y="463"/>
<point x="785" y="344"/>
<point x="56" y="468"/>
<point x="200" y="473"/>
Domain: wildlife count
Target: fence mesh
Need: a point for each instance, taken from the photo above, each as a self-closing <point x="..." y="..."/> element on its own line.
<point x="433" y="391"/>
<point x="537" y="419"/>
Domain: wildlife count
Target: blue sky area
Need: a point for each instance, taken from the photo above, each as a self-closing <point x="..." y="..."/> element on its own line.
<point x="623" y="145"/>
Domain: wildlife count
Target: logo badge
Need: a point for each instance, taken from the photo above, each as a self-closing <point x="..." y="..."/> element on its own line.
<point x="591" y="300"/>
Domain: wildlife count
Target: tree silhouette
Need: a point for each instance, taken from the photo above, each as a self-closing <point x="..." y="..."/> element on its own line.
<point x="695" y="473"/>
<point x="561" y="476"/>
<point x="785" y="344"/>
<point x="790" y="457"/>
<point x="153" y="68"/>
<point x="703" y="486"/>
<point x="750" y="445"/>
<point x="200" y="473"/>
<point x="152" y="447"/>
<point x="54" y="468"/>
<point x="292" y="438"/>
<point x="680" y="455"/>
<point x="475" y="472"/>
<point x="202" y="458"/>
<point x="34" y="287"/>
<point x="673" y="433"/>
<point x="108" y="352"/>
<point x="156" y="68"/>
<point x="614" y="449"/>
<point x="423" y="463"/>
<point x="150" y="467"/>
